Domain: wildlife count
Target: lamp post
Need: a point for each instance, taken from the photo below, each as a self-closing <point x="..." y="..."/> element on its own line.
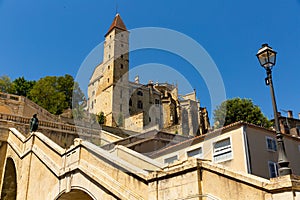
<point x="267" y="59"/>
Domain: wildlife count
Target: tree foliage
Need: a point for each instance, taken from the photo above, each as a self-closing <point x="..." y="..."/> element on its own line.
<point x="21" y="86"/>
<point x="5" y="84"/>
<point x="55" y="93"/>
<point x="101" y="118"/>
<point x="46" y="94"/>
<point x="237" y="109"/>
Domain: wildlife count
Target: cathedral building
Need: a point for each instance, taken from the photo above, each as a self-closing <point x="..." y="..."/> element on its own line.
<point x="135" y="106"/>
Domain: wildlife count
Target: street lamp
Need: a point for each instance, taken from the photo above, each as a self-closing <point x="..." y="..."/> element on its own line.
<point x="267" y="59"/>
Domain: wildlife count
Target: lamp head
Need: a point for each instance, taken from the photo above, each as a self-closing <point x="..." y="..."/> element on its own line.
<point x="266" y="56"/>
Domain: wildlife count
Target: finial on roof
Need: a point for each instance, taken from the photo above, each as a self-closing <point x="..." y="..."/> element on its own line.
<point x="117" y="7"/>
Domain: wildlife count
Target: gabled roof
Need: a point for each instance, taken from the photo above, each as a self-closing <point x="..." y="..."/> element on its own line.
<point x="117" y="23"/>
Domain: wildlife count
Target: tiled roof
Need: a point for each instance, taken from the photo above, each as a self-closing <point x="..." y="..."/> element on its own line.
<point x="117" y="23"/>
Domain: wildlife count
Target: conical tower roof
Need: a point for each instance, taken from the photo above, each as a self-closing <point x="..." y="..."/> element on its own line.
<point x="117" y="23"/>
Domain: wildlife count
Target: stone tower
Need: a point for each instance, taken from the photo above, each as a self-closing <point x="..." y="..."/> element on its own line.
<point x="108" y="88"/>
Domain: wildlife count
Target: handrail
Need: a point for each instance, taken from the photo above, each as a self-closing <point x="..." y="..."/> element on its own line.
<point x="49" y="124"/>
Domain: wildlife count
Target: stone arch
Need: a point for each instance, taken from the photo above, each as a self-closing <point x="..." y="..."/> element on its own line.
<point x="9" y="187"/>
<point x="75" y="194"/>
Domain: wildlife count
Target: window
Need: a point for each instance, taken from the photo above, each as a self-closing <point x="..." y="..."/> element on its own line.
<point x="122" y="45"/>
<point x="108" y="55"/>
<point x="108" y="80"/>
<point x="273" y="169"/>
<point x="130" y="102"/>
<point x="196" y="153"/>
<point x="156" y="102"/>
<point x="171" y="159"/>
<point x="122" y="56"/>
<point x="271" y="144"/>
<point x="120" y="107"/>
<point x="298" y="129"/>
<point x="140" y="93"/>
<point x="108" y="67"/>
<point x="222" y="150"/>
<point x="93" y="93"/>
<point x="149" y="119"/>
<point x="122" y="66"/>
<point x="140" y="105"/>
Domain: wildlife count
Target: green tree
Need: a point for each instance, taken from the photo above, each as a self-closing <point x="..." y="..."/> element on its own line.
<point x="46" y="94"/>
<point x="70" y="88"/>
<point x="78" y="112"/>
<point x="101" y="118"/>
<point x="237" y="109"/>
<point x="55" y="94"/>
<point x="21" y="86"/>
<point x="5" y="84"/>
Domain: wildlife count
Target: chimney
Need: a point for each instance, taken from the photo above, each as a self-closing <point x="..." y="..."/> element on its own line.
<point x="290" y="114"/>
<point x="279" y="114"/>
<point x="137" y="79"/>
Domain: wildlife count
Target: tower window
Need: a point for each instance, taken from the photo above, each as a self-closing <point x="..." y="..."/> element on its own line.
<point x="130" y="104"/>
<point x="140" y="93"/>
<point x="122" y="45"/>
<point x="108" y="55"/>
<point x="122" y="56"/>
<point x="156" y="102"/>
<point x="140" y="105"/>
<point x="108" y="80"/>
<point x="122" y="66"/>
<point x="108" y="67"/>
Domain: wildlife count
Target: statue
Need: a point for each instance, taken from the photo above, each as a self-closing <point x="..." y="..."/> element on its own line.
<point x="34" y="123"/>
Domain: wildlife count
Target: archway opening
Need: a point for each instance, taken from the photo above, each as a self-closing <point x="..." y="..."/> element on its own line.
<point x="9" y="188"/>
<point x="75" y="195"/>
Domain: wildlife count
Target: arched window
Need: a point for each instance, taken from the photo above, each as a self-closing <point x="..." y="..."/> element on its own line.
<point x="122" y="66"/>
<point x="130" y="102"/>
<point x="140" y="93"/>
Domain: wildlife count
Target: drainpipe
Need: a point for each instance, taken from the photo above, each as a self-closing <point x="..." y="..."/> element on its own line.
<point x="246" y="145"/>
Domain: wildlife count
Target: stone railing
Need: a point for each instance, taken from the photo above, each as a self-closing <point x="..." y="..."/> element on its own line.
<point x="40" y="110"/>
<point x="46" y="114"/>
<point x="11" y="97"/>
<point x="48" y="124"/>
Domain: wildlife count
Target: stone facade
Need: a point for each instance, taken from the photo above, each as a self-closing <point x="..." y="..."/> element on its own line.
<point x="34" y="167"/>
<point x="111" y="92"/>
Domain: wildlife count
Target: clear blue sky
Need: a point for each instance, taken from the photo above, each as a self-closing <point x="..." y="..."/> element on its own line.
<point x="39" y="38"/>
